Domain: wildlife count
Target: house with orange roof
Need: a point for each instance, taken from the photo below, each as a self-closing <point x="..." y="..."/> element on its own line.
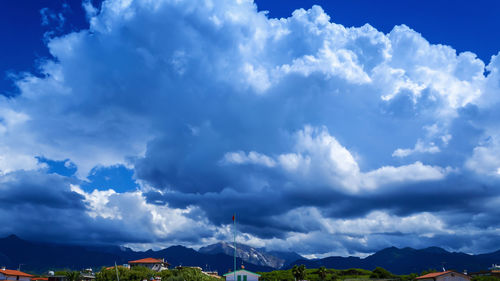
<point x="448" y="275"/>
<point x="10" y="274"/>
<point x="151" y="263"/>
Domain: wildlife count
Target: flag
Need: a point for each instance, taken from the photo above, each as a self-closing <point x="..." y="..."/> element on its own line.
<point x="233" y="217"/>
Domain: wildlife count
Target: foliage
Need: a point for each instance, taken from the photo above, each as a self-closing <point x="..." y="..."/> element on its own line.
<point x="299" y="272"/>
<point x="322" y="273"/>
<point x="427" y="271"/>
<point x="381" y="273"/>
<point x="485" y="278"/>
<point x="409" y="277"/>
<point x="335" y="275"/>
<point x="139" y="273"/>
<point x="70" y="275"/>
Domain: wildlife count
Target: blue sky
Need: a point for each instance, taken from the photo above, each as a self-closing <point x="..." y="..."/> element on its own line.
<point x="149" y="123"/>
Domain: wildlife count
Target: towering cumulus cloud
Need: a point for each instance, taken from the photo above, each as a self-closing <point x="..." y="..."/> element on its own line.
<point x="322" y="138"/>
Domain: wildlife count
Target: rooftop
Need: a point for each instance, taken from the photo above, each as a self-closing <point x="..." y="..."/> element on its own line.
<point x="436" y="274"/>
<point x="147" y="260"/>
<point x="11" y="272"/>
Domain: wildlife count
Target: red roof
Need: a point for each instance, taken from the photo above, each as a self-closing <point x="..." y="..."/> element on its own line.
<point x="11" y="272"/>
<point x="436" y="274"/>
<point x="40" y="278"/>
<point x="147" y="260"/>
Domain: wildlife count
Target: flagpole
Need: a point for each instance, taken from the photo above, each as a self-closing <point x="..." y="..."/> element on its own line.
<point x="234" y="228"/>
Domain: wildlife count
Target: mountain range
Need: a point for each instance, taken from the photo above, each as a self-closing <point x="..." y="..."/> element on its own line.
<point x="408" y="260"/>
<point x="36" y="257"/>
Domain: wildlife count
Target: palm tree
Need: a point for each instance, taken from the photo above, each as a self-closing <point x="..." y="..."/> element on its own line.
<point x="302" y="272"/>
<point x="73" y="276"/>
<point x="295" y="272"/>
<point x="322" y="273"/>
<point x="299" y="272"/>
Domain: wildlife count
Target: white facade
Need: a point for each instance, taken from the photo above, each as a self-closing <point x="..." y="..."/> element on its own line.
<point x="242" y="275"/>
<point x="153" y="266"/>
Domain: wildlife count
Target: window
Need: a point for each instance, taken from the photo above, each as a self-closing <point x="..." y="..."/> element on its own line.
<point x="239" y="277"/>
<point x="244" y="278"/>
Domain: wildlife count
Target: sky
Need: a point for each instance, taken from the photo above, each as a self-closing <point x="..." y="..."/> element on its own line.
<point x="328" y="127"/>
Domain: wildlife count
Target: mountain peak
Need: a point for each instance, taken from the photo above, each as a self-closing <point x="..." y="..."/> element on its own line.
<point x="435" y="250"/>
<point x="258" y="256"/>
<point x="13" y="237"/>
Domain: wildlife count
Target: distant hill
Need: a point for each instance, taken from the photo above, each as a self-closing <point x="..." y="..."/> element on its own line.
<point x="252" y="255"/>
<point x="40" y="257"/>
<point x="408" y="260"/>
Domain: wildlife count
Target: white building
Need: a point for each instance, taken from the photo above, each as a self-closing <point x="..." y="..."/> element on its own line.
<point x="444" y="276"/>
<point x="151" y="263"/>
<point x="242" y="275"/>
<point x="9" y="274"/>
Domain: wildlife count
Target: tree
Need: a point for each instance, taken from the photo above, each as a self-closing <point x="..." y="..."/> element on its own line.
<point x="299" y="272"/>
<point x="430" y="270"/>
<point x="73" y="275"/>
<point x="295" y="272"/>
<point x="380" y="273"/>
<point x="322" y="273"/>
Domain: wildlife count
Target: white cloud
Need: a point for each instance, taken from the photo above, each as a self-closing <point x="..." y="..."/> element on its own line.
<point x="251" y="158"/>
<point x="420" y="147"/>
<point x="320" y="158"/>
<point x="485" y="158"/>
<point x="184" y="91"/>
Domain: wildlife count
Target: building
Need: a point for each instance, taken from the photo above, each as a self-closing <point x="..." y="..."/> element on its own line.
<point x="214" y="274"/>
<point x="9" y="274"/>
<point x="448" y="275"/>
<point x="494" y="270"/>
<point x="151" y="263"/>
<point x="87" y="277"/>
<point x="242" y="275"/>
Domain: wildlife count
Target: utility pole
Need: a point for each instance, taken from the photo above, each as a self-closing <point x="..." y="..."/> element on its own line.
<point x="234" y="242"/>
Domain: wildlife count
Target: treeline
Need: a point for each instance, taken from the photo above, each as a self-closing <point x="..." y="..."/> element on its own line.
<point x="139" y="273"/>
<point x="324" y="274"/>
<point x="327" y="274"/>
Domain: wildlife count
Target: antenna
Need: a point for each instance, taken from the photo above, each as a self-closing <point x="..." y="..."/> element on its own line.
<point x="116" y="269"/>
<point x="443" y="263"/>
<point x="234" y="223"/>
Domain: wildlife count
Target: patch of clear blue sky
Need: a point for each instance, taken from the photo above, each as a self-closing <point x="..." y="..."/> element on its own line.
<point x="464" y="25"/>
<point x="64" y="168"/>
<point x="116" y="177"/>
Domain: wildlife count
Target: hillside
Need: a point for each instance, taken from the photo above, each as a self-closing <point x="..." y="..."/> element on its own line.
<point x="408" y="260"/>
